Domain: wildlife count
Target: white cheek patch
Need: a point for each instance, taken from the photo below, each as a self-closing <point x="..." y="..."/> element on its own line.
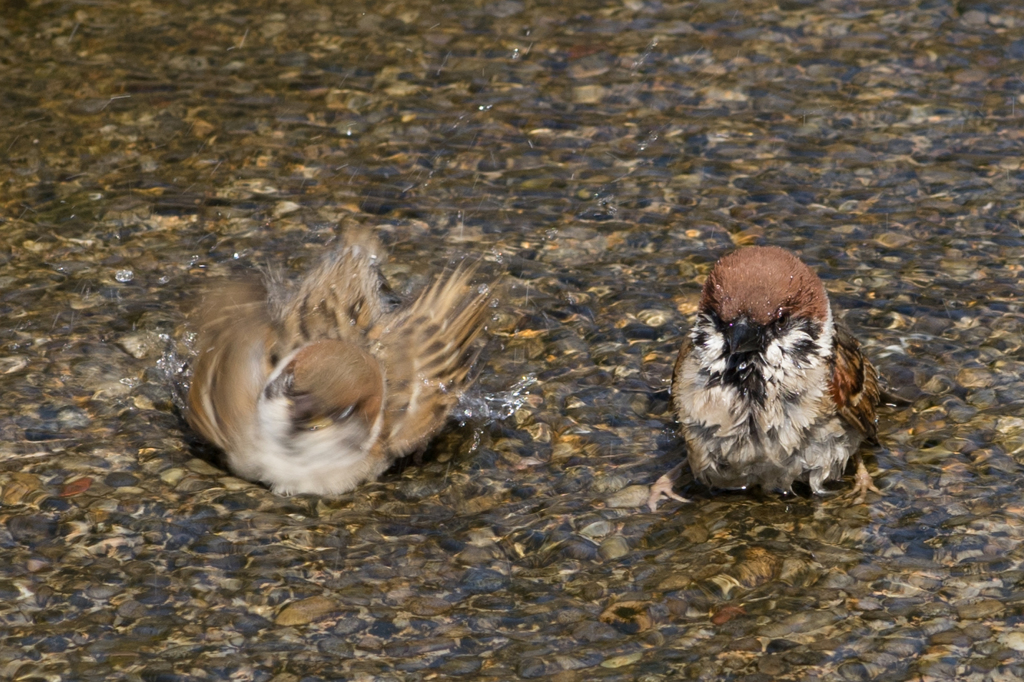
<point x="791" y="339"/>
<point x="715" y="344"/>
<point x="827" y="335"/>
<point x="773" y="353"/>
<point x="711" y="353"/>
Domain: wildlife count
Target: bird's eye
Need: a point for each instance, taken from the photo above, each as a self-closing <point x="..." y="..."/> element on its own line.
<point x="783" y="319"/>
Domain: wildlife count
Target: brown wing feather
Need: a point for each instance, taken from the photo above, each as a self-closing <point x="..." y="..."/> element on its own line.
<point x="428" y="350"/>
<point x="854" y="385"/>
<point x="342" y="294"/>
<point x="684" y="351"/>
<point x="233" y="335"/>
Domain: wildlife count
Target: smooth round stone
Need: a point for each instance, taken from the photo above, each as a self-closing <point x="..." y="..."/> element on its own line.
<point x="594" y="631"/>
<point x="120" y="479"/>
<point x="986" y="608"/>
<point x="614" y="547"/>
<point x="306" y="611"/>
<point x="1013" y="640"/>
<point x="483" y="581"/>
<point x="630" y="497"/>
<point x="461" y="666"/>
<point x="597" y="529"/>
<point x="428" y="606"/>
<point x="250" y="623"/>
<point x="622" y="661"/>
<point x="32" y="528"/>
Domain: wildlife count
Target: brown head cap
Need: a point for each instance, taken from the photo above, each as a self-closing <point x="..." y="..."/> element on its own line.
<point x="763" y="282"/>
<point x="333" y="376"/>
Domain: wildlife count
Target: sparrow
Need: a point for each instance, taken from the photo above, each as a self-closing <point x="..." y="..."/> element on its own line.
<point x="321" y="386"/>
<point x="767" y="388"/>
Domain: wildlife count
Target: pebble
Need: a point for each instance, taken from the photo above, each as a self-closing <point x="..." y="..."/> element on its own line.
<point x="593" y="631"/>
<point x="597" y="529"/>
<point x="630" y="497"/>
<point x="483" y="581"/>
<point x="306" y="611"/>
<point x="984" y="608"/>
<point x="428" y="606"/>
<point x="614" y="547"/>
<point x="621" y="661"/>
<point x="807" y="621"/>
<point x="1014" y="640"/>
<point x="143" y="344"/>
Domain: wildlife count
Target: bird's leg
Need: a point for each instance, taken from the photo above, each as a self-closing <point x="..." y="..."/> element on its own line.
<point x="663" y="487"/>
<point x="862" y="481"/>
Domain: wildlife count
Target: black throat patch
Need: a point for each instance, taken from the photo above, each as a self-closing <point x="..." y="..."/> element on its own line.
<point x="745" y="373"/>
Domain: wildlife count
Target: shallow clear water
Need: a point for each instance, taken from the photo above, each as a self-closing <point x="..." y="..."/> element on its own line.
<point x="602" y="157"/>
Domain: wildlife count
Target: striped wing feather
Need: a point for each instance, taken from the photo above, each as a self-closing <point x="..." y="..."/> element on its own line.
<point x="428" y="350"/>
<point x="854" y="385"/>
<point x="341" y="297"/>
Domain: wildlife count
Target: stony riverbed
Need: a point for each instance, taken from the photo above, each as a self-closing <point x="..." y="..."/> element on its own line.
<point x="599" y="157"/>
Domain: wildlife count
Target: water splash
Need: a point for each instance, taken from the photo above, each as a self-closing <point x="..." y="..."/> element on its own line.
<point x="493" y="407"/>
<point x="174" y="367"/>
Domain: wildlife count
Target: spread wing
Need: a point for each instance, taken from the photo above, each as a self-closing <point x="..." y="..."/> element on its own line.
<point x="428" y="350"/>
<point x="234" y="335"/>
<point x="343" y="294"/>
<point x="854" y="385"/>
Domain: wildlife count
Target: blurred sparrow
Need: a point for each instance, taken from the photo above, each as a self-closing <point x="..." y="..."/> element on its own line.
<point x="768" y="388"/>
<point x="319" y="387"/>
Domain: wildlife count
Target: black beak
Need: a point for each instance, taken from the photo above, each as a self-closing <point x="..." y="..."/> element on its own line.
<point x="743" y="337"/>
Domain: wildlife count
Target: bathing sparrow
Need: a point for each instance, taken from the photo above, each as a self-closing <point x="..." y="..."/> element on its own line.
<point x="320" y="386"/>
<point x="768" y="389"/>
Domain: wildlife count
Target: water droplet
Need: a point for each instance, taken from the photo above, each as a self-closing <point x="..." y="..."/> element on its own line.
<point x="124" y="276"/>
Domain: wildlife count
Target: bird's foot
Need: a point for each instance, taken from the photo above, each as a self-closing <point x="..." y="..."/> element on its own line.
<point x="862" y="483"/>
<point x="663" y="488"/>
